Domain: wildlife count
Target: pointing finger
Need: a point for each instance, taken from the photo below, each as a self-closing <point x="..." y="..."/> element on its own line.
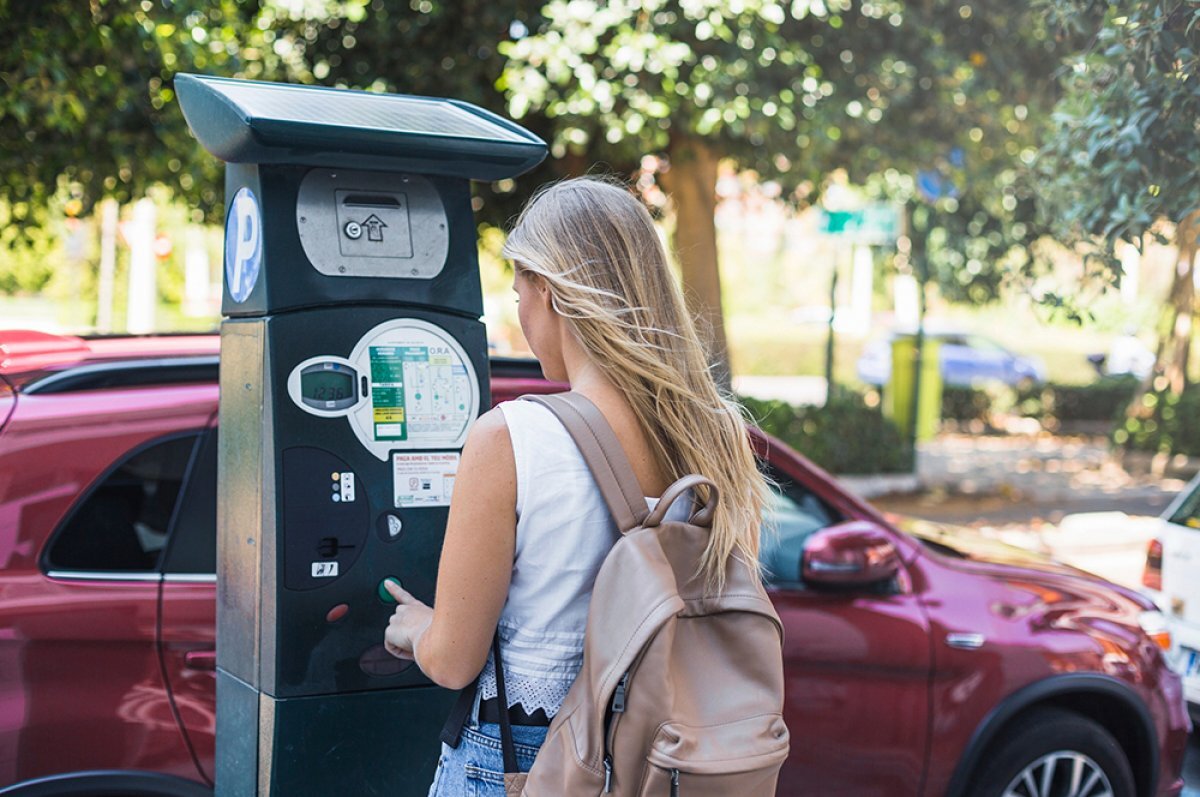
<point x="398" y="592"/>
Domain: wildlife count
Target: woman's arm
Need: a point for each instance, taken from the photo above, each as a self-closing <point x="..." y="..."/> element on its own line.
<point x="451" y="640"/>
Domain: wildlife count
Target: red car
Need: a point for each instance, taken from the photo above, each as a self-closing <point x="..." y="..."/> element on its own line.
<point x="920" y="661"/>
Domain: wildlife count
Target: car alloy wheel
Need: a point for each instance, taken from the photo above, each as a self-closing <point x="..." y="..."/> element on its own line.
<point x="1053" y="752"/>
<point x="1064" y="773"/>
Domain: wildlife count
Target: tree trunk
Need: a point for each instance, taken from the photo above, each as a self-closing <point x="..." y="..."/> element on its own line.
<point x="1178" y="338"/>
<point x="691" y="182"/>
<point x="1175" y="329"/>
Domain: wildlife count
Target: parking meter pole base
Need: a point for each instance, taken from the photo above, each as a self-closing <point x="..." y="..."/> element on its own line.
<point x="356" y="743"/>
<point x="353" y="362"/>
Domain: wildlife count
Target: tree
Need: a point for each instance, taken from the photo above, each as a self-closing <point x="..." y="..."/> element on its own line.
<point x="1122" y="160"/>
<point x="86" y="99"/>
<point x="968" y="107"/>
<point x="886" y="90"/>
<point x="762" y="83"/>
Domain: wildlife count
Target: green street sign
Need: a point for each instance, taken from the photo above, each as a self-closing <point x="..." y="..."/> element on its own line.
<point x="877" y="223"/>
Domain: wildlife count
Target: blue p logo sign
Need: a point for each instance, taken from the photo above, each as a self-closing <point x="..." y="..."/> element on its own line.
<point x="243" y="244"/>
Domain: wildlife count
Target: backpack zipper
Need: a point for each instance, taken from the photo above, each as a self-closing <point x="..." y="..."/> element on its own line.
<point x="618" y="707"/>
<point x="618" y="700"/>
<point x="674" y="783"/>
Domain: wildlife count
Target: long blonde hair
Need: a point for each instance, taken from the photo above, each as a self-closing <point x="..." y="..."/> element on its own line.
<point x="599" y="253"/>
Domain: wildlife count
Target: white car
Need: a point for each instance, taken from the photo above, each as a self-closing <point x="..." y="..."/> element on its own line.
<point x="1172" y="579"/>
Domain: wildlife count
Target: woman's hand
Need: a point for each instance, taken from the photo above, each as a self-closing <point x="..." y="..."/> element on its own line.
<point x="408" y="623"/>
<point x="475" y="566"/>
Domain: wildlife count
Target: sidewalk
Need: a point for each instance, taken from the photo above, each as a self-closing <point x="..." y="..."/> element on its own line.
<point x="1065" y="496"/>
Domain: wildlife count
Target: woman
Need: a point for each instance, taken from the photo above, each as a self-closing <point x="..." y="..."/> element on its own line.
<point x="528" y="529"/>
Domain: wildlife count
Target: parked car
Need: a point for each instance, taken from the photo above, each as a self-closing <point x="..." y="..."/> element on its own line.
<point x="966" y="359"/>
<point x="919" y="660"/>
<point x="1172" y="579"/>
<point x="1127" y="356"/>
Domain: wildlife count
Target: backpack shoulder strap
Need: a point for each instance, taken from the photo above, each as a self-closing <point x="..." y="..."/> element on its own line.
<point x="603" y="454"/>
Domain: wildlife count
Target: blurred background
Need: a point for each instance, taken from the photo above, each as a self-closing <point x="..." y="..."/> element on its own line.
<point x="1011" y="182"/>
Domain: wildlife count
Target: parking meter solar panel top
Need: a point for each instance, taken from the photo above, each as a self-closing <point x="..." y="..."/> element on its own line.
<point x="245" y="121"/>
<point x="395" y="112"/>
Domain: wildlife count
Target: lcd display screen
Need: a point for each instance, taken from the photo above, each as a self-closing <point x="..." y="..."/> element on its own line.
<point x="327" y="385"/>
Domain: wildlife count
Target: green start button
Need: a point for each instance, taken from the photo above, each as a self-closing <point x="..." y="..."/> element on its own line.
<point x="384" y="595"/>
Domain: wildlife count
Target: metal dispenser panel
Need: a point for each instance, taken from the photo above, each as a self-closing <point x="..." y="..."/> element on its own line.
<point x="371" y="224"/>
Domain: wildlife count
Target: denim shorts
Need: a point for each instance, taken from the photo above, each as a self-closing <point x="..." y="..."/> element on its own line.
<point x="476" y="767"/>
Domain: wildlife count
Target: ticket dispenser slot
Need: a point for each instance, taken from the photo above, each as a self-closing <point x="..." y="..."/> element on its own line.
<point x="353" y="362"/>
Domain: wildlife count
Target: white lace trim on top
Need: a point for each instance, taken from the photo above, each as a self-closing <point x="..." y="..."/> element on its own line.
<point x="539" y="667"/>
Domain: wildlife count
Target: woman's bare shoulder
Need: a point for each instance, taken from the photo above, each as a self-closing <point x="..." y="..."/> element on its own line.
<point x="489" y="435"/>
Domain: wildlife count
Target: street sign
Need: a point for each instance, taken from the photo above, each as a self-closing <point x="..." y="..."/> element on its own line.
<point x="877" y="223"/>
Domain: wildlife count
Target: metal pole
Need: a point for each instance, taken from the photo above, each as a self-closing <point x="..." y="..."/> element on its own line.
<point x="829" y="338"/>
<point x="143" y="292"/>
<point x="922" y="269"/>
<point x="109" y="218"/>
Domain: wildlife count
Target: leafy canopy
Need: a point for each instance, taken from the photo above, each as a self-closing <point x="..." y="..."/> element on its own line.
<point x="1124" y="151"/>
<point x="885" y="90"/>
<point x="86" y="99"/>
<point x="769" y="84"/>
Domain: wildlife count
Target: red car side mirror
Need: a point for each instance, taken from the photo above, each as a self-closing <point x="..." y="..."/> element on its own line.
<point x="856" y="553"/>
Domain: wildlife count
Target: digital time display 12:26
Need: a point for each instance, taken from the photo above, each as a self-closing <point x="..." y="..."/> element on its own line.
<point x="319" y="385"/>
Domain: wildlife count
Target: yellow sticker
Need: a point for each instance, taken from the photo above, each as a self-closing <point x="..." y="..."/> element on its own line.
<point x="389" y="415"/>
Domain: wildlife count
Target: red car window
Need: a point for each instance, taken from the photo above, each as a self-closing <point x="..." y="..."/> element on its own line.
<point x="121" y="524"/>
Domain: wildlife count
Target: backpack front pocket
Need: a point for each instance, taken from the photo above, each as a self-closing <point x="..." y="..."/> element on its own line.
<point x="660" y="782"/>
<point x="741" y="758"/>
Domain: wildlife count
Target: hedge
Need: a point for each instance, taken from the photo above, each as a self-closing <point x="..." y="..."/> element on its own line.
<point x="1170" y="424"/>
<point x="1102" y="400"/>
<point x="844" y="436"/>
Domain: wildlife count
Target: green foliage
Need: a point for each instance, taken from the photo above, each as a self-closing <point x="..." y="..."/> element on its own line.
<point x="86" y="99"/>
<point x="1102" y="400"/>
<point x="1123" y="152"/>
<point x="1171" y="424"/>
<point x="773" y="85"/>
<point x="1055" y="405"/>
<point x="970" y="109"/>
<point x="844" y="436"/>
<point x="25" y="254"/>
<point x="965" y="403"/>
<point x="793" y="91"/>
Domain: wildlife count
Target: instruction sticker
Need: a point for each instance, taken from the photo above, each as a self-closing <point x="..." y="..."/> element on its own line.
<point x="423" y="480"/>
<point x="387" y="392"/>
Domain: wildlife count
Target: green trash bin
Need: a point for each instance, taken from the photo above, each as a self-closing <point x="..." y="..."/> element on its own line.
<point x="898" y="394"/>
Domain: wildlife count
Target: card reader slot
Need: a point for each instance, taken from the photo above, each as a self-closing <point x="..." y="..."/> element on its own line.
<point x="371" y="201"/>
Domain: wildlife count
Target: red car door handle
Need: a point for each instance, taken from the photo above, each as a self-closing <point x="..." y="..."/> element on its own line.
<point x="200" y="659"/>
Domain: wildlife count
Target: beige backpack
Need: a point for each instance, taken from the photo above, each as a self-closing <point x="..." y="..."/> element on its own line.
<point x="679" y="695"/>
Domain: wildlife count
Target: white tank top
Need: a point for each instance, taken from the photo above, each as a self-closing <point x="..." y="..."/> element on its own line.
<point x="564" y="531"/>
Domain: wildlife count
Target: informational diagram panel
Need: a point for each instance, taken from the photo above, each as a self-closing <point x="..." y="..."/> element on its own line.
<point x="420" y="387"/>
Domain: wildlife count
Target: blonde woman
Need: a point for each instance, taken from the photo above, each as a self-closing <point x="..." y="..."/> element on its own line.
<point x="528" y="528"/>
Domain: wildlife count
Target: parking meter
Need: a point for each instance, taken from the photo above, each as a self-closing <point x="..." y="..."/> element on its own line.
<point x="353" y="361"/>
